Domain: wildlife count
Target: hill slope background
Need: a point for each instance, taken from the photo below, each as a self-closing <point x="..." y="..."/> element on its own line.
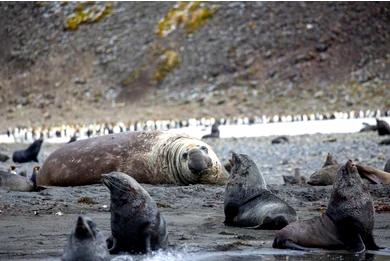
<point x="72" y="62"/>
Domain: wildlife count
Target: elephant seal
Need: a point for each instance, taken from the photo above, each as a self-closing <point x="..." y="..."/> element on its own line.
<point x="327" y="174"/>
<point x="248" y="202"/>
<point x="149" y="157"/>
<point x="29" y="154"/>
<point x="14" y="182"/>
<point x="136" y="223"/>
<point x="347" y="224"/>
<point x="86" y="242"/>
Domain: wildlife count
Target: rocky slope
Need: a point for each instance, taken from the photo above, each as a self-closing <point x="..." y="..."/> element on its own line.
<point x="127" y="61"/>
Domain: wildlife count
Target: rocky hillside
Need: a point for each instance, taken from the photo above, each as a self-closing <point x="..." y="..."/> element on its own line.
<point x="127" y="61"/>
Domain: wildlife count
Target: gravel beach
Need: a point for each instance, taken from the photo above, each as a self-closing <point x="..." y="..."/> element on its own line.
<point x="35" y="225"/>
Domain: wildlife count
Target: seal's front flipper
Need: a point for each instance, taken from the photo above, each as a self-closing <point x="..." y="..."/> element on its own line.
<point x="287" y="243"/>
<point x="231" y="211"/>
<point x="370" y="242"/>
<point x="349" y="233"/>
<point x="112" y="245"/>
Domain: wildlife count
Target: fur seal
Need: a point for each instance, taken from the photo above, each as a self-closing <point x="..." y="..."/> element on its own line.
<point x="3" y="157"/>
<point x="327" y="174"/>
<point x="347" y="224"/>
<point x="387" y="166"/>
<point x="15" y="182"/>
<point x="136" y="223"/>
<point x="86" y="242"/>
<point x="248" y="202"/>
<point x="297" y="179"/>
<point x="214" y="132"/>
<point x="385" y="142"/>
<point x="383" y="127"/>
<point x="368" y="127"/>
<point x="29" y="154"/>
<point x="280" y="140"/>
<point x="149" y="157"/>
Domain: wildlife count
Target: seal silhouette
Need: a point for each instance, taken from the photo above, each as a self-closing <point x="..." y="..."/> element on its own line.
<point x="347" y="224"/>
<point x="136" y="223"/>
<point x="248" y="202"/>
<point x="85" y="242"/>
<point x="29" y="154"/>
<point x="149" y="157"/>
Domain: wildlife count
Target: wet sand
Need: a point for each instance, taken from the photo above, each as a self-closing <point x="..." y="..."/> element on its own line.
<point x="35" y="225"/>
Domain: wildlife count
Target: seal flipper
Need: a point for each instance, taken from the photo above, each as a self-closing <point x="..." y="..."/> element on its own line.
<point x="370" y="242"/>
<point x="349" y="233"/>
<point x="146" y="233"/>
<point x="289" y="244"/>
<point x="112" y="245"/>
<point x="231" y="211"/>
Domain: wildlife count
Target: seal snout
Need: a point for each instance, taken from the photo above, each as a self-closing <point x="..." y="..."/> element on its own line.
<point x="84" y="228"/>
<point x="199" y="160"/>
<point x="350" y="166"/>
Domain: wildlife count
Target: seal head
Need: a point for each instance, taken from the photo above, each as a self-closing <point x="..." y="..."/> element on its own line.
<point x="86" y="242"/>
<point x="136" y="223"/>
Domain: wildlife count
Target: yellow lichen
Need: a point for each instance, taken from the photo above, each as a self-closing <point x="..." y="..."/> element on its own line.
<point x="190" y="15"/>
<point x="87" y="13"/>
<point x="168" y="61"/>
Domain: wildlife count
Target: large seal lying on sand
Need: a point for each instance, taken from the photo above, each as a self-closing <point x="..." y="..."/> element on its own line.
<point x="248" y="202"/>
<point x="86" y="243"/>
<point x="149" y="157"/>
<point x="347" y="224"/>
<point x="136" y="223"/>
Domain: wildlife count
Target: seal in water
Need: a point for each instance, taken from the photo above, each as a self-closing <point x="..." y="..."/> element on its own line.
<point x="86" y="243"/>
<point x="29" y="154"/>
<point x="136" y="223"/>
<point x="149" y="157"/>
<point x="15" y="182"/>
<point x="248" y="202"/>
<point x="347" y="224"/>
<point x="327" y="174"/>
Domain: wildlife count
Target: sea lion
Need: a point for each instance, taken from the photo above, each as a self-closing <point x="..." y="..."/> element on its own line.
<point x="383" y="127"/>
<point x="15" y="182"/>
<point x="327" y="174"/>
<point x="86" y="242"/>
<point x="347" y="224"/>
<point x="248" y="202"/>
<point x="136" y="223"/>
<point x="29" y="154"/>
<point x="149" y="157"/>
<point x="297" y="179"/>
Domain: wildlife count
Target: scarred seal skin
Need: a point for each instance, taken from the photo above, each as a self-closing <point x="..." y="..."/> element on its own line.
<point x="85" y="242"/>
<point x="248" y="202"/>
<point x="347" y="224"/>
<point x="149" y="157"/>
<point x="136" y="223"/>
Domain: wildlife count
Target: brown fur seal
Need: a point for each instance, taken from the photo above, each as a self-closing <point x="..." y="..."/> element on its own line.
<point x="86" y="243"/>
<point x="29" y="154"/>
<point x="248" y="202"/>
<point x="136" y="223"/>
<point x="347" y="224"/>
<point x="327" y="174"/>
<point x="149" y="157"/>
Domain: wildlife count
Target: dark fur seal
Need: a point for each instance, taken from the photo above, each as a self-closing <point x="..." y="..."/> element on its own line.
<point x="149" y="157"/>
<point x="248" y="202"/>
<point x="136" y="223"/>
<point x="86" y="243"/>
<point x="383" y="127"/>
<point x="347" y="224"/>
<point x="280" y="140"/>
<point x="214" y="132"/>
<point x="385" y="142"/>
<point x="29" y="154"/>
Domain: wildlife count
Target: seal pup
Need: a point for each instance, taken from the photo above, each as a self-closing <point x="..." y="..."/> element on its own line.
<point x="347" y="224"/>
<point x="29" y="154"/>
<point x="149" y="157"/>
<point x="248" y="202"/>
<point x="136" y="223"/>
<point x="14" y="182"/>
<point x="383" y="127"/>
<point x="85" y="243"/>
<point x="327" y="174"/>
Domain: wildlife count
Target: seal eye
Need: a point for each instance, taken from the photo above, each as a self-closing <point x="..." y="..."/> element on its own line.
<point x="185" y="155"/>
<point x="204" y="148"/>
